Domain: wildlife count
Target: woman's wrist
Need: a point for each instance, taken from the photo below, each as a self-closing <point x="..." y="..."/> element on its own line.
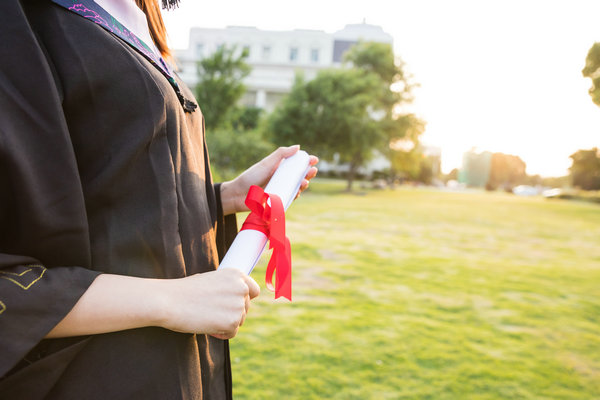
<point x="158" y="303"/>
<point x="231" y="197"/>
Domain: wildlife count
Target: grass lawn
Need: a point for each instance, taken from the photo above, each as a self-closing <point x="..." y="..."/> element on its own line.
<point x="424" y="294"/>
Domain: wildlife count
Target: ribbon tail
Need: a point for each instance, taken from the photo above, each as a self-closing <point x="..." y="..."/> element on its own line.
<point x="281" y="257"/>
<point x="283" y="278"/>
<point x="269" y="274"/>
<point x="280" y="264"/>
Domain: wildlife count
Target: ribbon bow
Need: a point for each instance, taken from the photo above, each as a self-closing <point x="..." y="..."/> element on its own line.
<point x="268" y="216"/>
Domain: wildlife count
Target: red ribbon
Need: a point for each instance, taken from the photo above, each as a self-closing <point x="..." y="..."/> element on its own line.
<point x="270" y="220"/>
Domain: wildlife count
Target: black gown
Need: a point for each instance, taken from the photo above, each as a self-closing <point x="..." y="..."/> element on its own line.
<point x="101" y="171"/>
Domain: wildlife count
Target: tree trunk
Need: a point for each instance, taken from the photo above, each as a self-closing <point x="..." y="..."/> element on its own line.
<point x="392" y="178"/>
<point x="351" y="174"/>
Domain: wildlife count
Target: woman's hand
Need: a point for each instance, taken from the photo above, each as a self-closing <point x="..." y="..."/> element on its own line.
<point x="233" y="193"/>
<point x="215" y="303"/>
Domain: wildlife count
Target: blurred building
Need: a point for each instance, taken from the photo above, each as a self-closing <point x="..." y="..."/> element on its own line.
<point x="275" y="56"/>
<point x="434" y="154"/>
<point x="476" y="167"/>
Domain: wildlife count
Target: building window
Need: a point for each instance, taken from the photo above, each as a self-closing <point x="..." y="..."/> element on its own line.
<point x="266" y="53"/>
<point x="199" y="50"/>
<point x="340" y="47"/>
<point x="293" y="54"/>
<point x="314" y="55"/>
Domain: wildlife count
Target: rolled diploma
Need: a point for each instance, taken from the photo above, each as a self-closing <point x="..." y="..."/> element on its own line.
<point x="248" y="245"/>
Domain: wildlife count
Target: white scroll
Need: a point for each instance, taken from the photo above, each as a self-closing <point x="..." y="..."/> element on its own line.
<point x="248" y="245"/>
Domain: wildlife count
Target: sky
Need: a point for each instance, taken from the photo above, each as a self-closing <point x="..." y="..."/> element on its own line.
<point x="500" y="76"/>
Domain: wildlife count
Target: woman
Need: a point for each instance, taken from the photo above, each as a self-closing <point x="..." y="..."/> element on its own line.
<point x="110" y="226"/>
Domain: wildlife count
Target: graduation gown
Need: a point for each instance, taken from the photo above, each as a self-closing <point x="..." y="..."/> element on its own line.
<point x="101" y="171"/>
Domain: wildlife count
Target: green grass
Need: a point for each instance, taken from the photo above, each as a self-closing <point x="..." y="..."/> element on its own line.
<point x="423" y="294"/>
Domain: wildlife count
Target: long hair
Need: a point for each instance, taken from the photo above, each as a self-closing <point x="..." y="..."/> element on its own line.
<point x="156" y="25"/>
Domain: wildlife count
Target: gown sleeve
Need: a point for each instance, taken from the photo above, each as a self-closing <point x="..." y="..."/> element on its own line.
<point x="44" y="239"/>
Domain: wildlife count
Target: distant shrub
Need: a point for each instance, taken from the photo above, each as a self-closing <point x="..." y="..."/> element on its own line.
<point x="579" y="195"/>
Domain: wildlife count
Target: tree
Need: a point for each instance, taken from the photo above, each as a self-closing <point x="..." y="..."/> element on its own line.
<point x="330" y="115"/>
<point x="405" y="164"/>
<point x="403" y="150"/>
<point x="506" y="171"/>
<point x="232" y="135"/>
<point x="246" y="118"/>
<point x="220" y="85"/>
<point x="395" y="92"/>
<point x="592" y="71"/>
<point x="351" y="111"/>
<point x="585" y="170"/>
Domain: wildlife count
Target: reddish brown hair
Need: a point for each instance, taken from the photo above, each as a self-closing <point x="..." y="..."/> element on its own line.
<point x="156" y="25"/>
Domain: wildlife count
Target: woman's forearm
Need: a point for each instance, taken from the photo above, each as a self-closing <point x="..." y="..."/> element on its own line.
<point x="113" y="303"/>
<point x="214" y="303"/>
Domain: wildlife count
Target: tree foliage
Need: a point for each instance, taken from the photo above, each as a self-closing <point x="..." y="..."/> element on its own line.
<point x="413" y="165"/>
<point x="246" y="118"/>
<point x="350" y="111"/>
<point x="592" y="71"/>
<point x="330" y="115"/>
<point x="379" y="59"/>
<point x="232" y="135"/>
<point x="585" y="170"/>
<point x="506" y="171"/>
<point x="395" y="92"/>
<point x="232" y="151"/>
<point x="403" y="150"/>
<point x="220" y="84"/>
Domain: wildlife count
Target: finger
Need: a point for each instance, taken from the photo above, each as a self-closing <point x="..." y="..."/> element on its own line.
<point x="231" y="335"/>
<point x="311" y="173"/>
<point x="313" y="160"/>
<point x="243" y="282"/>
<point x="231" y="271"/>
<point x="242" y="319"/>
<point x="224" y="335"/>
<point x="303" y="186"/>
<point x="253" y="288"/>
<point x="247" y="305"/>
<point x="221" y="336"/>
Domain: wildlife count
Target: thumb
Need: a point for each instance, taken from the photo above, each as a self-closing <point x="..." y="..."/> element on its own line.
<point x="289" y="151"/>
<point x="272" y="160"/>
<point x="253" y="288"/>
